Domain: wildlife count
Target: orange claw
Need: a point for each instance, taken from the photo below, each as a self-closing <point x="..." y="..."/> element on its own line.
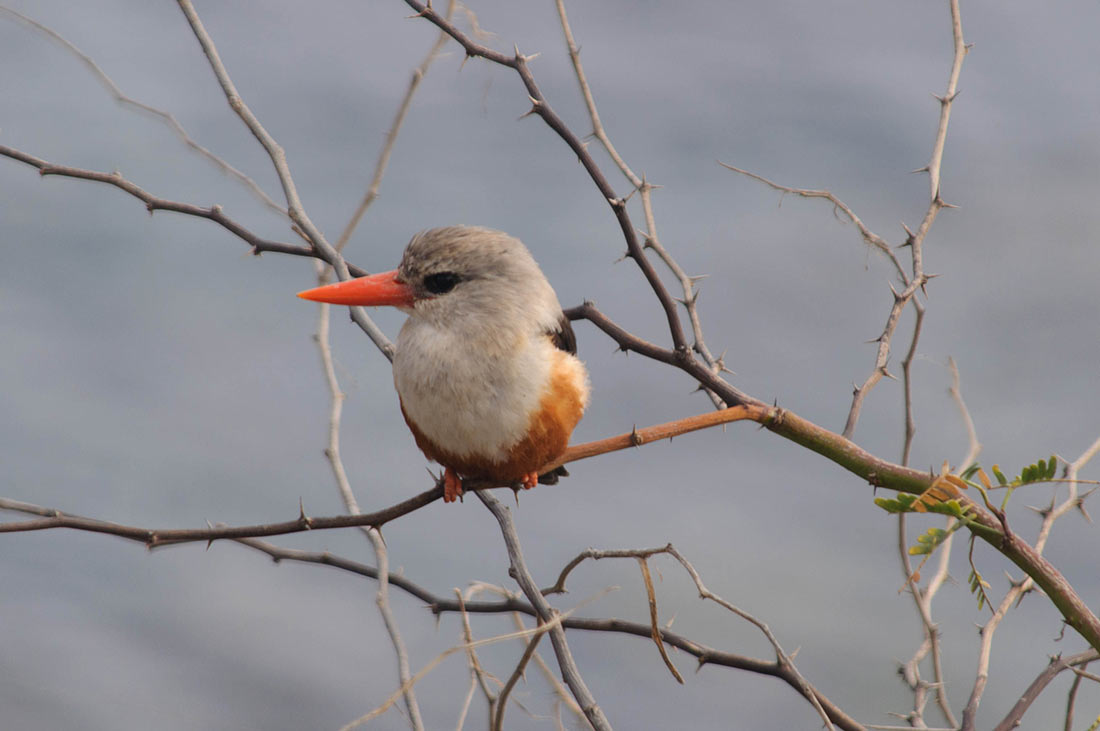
<point x="530" y="480"/>
<point x="452" y="485"/>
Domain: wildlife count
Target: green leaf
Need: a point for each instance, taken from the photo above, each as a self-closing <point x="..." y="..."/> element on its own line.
<point x="969" y="471"/>
<point x="948" y="507"/>
<point x="1052" y="467"/>
<point x="978" y="585"/>
<point x="903" y="503"/>
<point x="929" y="541"/>
<point x="890" y="506"/>
<point x="999" y="475"/>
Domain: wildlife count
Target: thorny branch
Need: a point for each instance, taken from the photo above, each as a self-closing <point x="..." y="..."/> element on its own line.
<point x="381" y="554"/>
<point x="923" y="598"/>
<point x="1056" y="666"/>
<point x="160" y="114"/>
<point x="782" y="659"/>
<point x="336" y="395"/>
<point x="502" y="699"/>
<point x="548" y="616"/>
<point x="383" y="160"/>
<point x="479" y="677"/>
<point x="645" y="190"/>
<point x="916" y="278"/>
<point x="438" y="604"/>
<point x="635" y="249"/>
<point x="466" y="646"/>
<point x="1021" y="587"/>
<point x="295" y="210"/>
<point x="154" y="203"/>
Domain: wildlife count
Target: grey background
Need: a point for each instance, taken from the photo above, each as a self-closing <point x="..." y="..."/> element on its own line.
<point x="156" y="374"/>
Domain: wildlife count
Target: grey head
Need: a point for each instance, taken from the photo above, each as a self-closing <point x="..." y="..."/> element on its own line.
<point x="468" y="279"/>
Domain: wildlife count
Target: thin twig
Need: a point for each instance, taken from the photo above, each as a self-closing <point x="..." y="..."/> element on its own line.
<point x="477" y="672"/>
<point x="154" y="203"/>
<point x="562" y="693"/>
<point x="907" y="380"/>
<point x="644" y="189"/>
<point x="277" y="155"/>
<point x="922" y="598"/>
<point x="549" y="626"/>
<point x="974" y="447"/>
<point x="541" y="107"/>
<point x="648" y="581"/>
<point x="1071" y="701"/>
<point x="160" y="114"/>
<point x="783" y="661"/>
<point x="502" y="699"/>
<point x="383" y="159"/>
<point x="882" y="353"/>
<point x="381" y="554"/>
<point x="869" y="236"/>
<point x="547" y="615"/>
<point x="1056" y="666"/>
<point x="552" y="680"/>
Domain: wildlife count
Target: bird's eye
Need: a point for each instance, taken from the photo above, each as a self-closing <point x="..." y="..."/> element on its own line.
<point x="441" y="282"/>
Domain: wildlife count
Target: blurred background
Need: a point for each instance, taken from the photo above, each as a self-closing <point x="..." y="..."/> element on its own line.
<point x="155" y="373"/>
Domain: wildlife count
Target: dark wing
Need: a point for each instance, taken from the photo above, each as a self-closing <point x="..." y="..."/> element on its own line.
<point x="563" y="336"/>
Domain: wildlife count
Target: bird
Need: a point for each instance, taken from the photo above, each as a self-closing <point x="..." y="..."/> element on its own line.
<point x="485" y="369"/>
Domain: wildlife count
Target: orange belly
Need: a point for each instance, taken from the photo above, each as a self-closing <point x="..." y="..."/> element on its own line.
<point x="547" y="436"/>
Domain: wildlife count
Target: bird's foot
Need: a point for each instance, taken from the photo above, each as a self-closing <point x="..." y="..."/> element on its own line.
<point x="530" y="480"/>
<point x="452" y="485"/>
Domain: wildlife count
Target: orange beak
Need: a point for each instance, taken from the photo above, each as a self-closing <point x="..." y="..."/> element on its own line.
<point x="370" y="291"/>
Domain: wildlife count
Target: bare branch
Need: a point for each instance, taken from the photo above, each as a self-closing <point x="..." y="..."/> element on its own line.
<point x="1056" y="665"/>
<point x="541" y="107"/>
<point x="922" y="598"/>
<point x="907" y="381"/>
<point x="783" y="661"/>
<point x="154" y="203"/>
<point x="946" y="101"/>
<point x="645" y="190"/>
<point x="479" y="675"/>
<point x="936" y="203"/>
<point x="275" y="152"/>
<point x="1071" y="701"/>
<point x="383" y="160"/>
<point x="648" y="580"/>
<point x="549" y="626"/>
<point x="381" y="554"/>
<point x="549" y="617"/>
<point x="882" y="355"/>
<point x="165" y="117"/>
<point x="502" y="699"/>
<point x="1020" y="588"/>
<point x="869" y="236"/>
<point x="974" y="447"/>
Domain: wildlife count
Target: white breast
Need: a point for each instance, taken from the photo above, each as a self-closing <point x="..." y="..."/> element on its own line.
<point x="470" y="396"/>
